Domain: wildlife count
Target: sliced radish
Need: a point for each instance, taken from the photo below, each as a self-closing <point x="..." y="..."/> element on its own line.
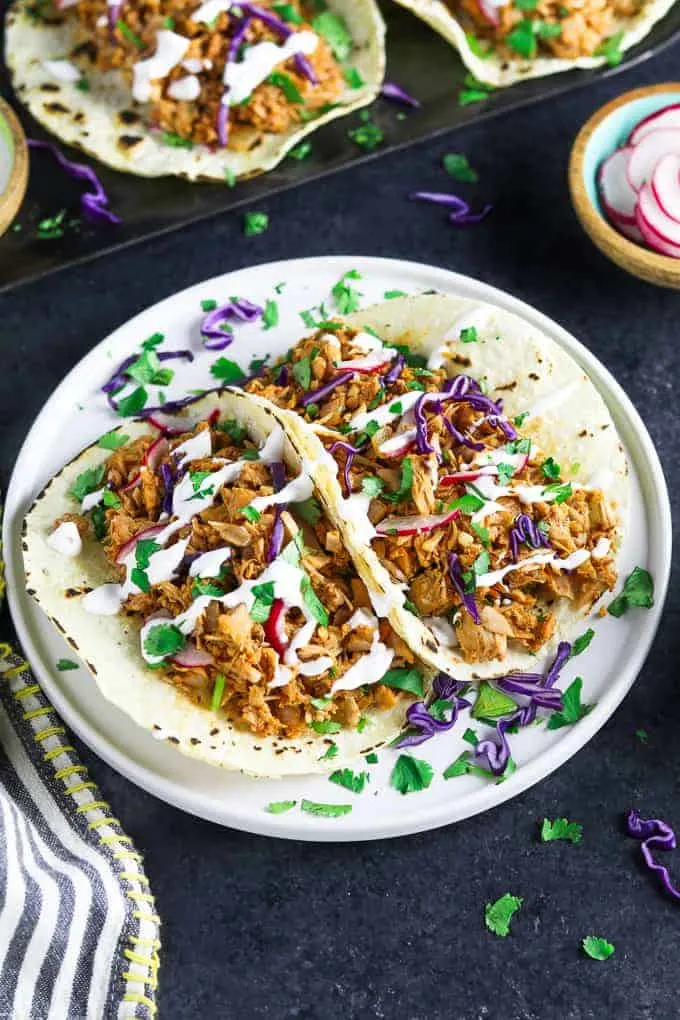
<point x="654" y="240"/>
<point x="190" y="656"/>
<point x="490" y="12"/>
<point x="170" y="425"/>
<point x="127" y="547"/>
<point x="618" y="197"/>
<point x="631" y="231"/>
<point x="275" y="628"/>
<point x="156" y="452"/>
<point x="665" y="184"/>
<point x="135" y="480"/>
<point x="647" y="153"/>
<point x="652" y="213"/>
<point x="414" y="525"/>
<point x="373" y="362"/>
<point x="668" y="117"/>
<point x="399" y="444"/>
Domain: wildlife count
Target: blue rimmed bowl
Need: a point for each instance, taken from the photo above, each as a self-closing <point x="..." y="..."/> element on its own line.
<point x="598" y="138"/>
<point x="13" y="165"/>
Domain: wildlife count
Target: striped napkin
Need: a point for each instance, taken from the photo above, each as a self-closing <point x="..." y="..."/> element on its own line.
<point x="79" y="933"/>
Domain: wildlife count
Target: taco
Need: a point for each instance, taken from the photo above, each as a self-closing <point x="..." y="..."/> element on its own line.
<point x="475" y="468"/>
<point x="199" y="90"/>
<point x="196" y="574"/>
<point x="502" y="43"/>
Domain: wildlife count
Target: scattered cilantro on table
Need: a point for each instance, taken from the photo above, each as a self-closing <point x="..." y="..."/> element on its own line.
<point x="597" y="948"/>
<point x="497" y="916"/>
<point x="561" y="829"/>
<point x="457" y="166"/>
<point x="255" y="223"/>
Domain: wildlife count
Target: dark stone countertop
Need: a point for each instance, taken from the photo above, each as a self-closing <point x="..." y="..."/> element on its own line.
<point x="259" y="928"/>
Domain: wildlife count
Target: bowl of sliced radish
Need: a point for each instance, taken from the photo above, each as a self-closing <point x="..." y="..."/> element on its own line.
<point x="624" y="179"/>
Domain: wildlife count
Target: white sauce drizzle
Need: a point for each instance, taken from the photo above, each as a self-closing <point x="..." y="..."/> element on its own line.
<point x="208" y="564"/>
<point x="372" y="666"/>
<point x="65" y="539"/>
<point x="367" y="342"/>
<point x="570" y="562"/>
<point x="272" y="448"/>
<point x="240" y="79"/>
<point x="196" y="448"/>
<point x="194" y="65"/>
<point x="296" y="491"/>
<point x="185" y="89"/>
<point x="91" y="500"/>
<point x="316" y="666"/>
<point x="382" y="414"/>
<point x="170" y="49"/>
<point x="63" y="70"/>
<point x="601" y="548"/>
<point x="210" y="10"/>
<point x="442" y="630"/>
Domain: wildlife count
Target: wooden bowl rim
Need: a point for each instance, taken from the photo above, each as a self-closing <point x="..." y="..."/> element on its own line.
<point x="12" y="198"/>
<point x="595" y="223"/>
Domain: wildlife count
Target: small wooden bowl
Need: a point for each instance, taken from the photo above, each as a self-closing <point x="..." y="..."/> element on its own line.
<point x="13" y="154"/>
<point x="596" y="140"/>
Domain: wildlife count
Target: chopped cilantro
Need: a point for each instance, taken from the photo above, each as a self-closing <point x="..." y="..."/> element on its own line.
<point x="481" y="564"/>
<point x="325" y="726"/>
<point x="389" y="295"/>
<point x="497" y="916"/>
<point x="270" y="316"/>
<point x="162" y="640"/>
<point x="346" y="296"/>
<point x="301" y="151"/>
<point x="264" y="599"/>
<point x="229" y="177"/>
<point x="325" y="810"/>
<point x="560" y="828"/>
<point x="321" y="703"/>
<point x="353" y="77"/>
<point x="98" y="518"/>
<point x="362" y="724"/>
<point x="83" y="85"/>
<point x="522" y="39"/>
<point x="483" y="50"/>
<point x="470" y="737"/>
<point x="481" y="532"/>
<point x="469" y="335"/>
<point x="518" y="446"/>
<point x="201" y="587"/>
<point x="610" y="49"/>
<point x="147" y="369"/>
<point x="130" y="406"/>
<point x="597" y="948"/>
<point x="227" y="372"/>
<point x="642" y="735"/>
<point x="169" y="23"/>
<point x="336" y="33"/>
<point x="155" y="340"/>
<point x="110" y="499"/>
<point x="218" y="691"/>
<point x="459" y="767"/>
<point x="302" y="370"/>
<point x="492" y="703"/>
<point x="233" y="429"/>
<point x="279" y="807"/>
<point x="112" y="440"/>
<point x="519" y="419"/>
<point x="87" y="481"/>
<point x="255" y="223"/>
<point x="411" y="607"/>
<point x="332" y="752"/>
<point x="581" y="643"/>
<point x="560" y="492"/>
<point x="371" y="759"/>
<point x="63" y="665"/>
<point x="638" y="590"/>
<point x="308" y="509"/>
<point x="128" y="34"/>
<point x="313" y="602"/>
<point x="572" y="709"/>
<point x="352" y="781"/>
<point x="468" y="96"/>
<point x="289" y="13"/>
<point x="405" y="483"/>
<point x="550" y="469"/>
<point x="367" y="135"/>
<point x="410" y="775"/>
<point x="176" y="141"/>
<point x="52" y="227"/>
<point x="467" y="504"/>
<point x="404" y="679"/>
<point x="287" y="86"/>
<point x="457" y="166"/>
<point x="372" y="486"/>
<point x="505" y="473"/>
<point x="208" y="305"/>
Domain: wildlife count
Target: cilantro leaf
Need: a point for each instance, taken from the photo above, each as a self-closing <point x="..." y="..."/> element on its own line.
<point x="288" y="12"/>
<point x="112" y="440"/>
<point x="457" y="166"/>
<point x="638" y="590"/>
<point x="278" y="807"/>
<point x="255" y="223"/>
<point x="551" y="469"/>
<point x="332" y="752"/>
<point x="336" y="33"/>
<point x="497" y="916"/>
<point x="233" y="429"/>
<point x="87" y="481"/>
<point x="287" y="86"/>
<point x="264" y="599"/>
<point x="63" y="665"/>
<point x="389" y="295"/>
<point x="301" y="151"/>
<point x="202" y="587"/>
<point x="308" y="509"/>
<point x="352" y="781"/>
<point x="302" y="370"/>
<point x="227" y="372"/>
<point x="642" y="735"/>
<point x="404" y="679"/>
<point x="163" y="640"/>
<point x="372" y="486"/>
<point x="467" y="504"/>
<point x="218" y="691"/>
<point x="372" y="758"/>
<point x="410" y="775"/>
<point x="581" y="643"/>
<point x="560" y="492"/>
<point x="522" y="39"/>
<point x="572" y="709"/>
<point x="597" y="948"/>
<point x="560" y="828"/>
<point x="353" y="77"/>
<point x="133" y="404"/>
<point x="610" y="49"/>
<point x="459" y="767"/>
<point x="405" y="483"/>
<point x="491" y="703"/>
<point x="325" y="810"/>
<point x="270" y="316"/>
<point x="367" y="135"/>
<point x="313" y="602"/>
<point x="346" y="296"/>
<point x="469" y="335"/>
<point x="325" y="726"/>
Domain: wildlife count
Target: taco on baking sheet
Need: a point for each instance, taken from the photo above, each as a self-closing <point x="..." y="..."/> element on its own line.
<point x="479" y="478"/>
<point x="196" y="574"/>
<point x="502" y="43"/>
<point x="200" y="90"/>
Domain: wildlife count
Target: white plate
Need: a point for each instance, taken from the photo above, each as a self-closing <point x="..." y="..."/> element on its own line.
<point x="76" y="413"/>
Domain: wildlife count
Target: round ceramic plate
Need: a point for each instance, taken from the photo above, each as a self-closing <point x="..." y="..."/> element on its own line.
<point x="77" y="413"/>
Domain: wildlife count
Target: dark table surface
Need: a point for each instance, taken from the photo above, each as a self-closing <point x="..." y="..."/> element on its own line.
<point x="258" y="928"/>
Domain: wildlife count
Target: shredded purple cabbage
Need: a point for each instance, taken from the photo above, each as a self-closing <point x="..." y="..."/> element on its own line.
<point x="457" y="434"/>
<point x="391" y="90"/>
<point x="93" y="203"/>
<point x="351" y="452"/>
<point x="303" y="67"/>
<point x="463" y="387"/>
<point x="524" y="684"/>
<point x="496" y="753"/>
<point x="120" y="377"/>
<point x="468" y="219"/>
<point x="215" y="329"/>
<point x="423" y="444"/>
<point x="526" y="530"/>
<point x="173" y="406"/>
<point x="444" y="688"/>
<point x="654" y="834"/>
<point x="114" y="14"/>
<point x="277" y="25"/>
<point x="459" y="205"/>
<point x="278" y="473"/>
<point x="395" y="371"/>
<point x="283" y="377"/>
<point x="313" y="396"/>
<point x="168" y="488"/>
<point x="456" y="575"/>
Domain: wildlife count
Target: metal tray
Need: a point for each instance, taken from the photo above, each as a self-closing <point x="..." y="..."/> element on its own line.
<point x="418" y="59"/>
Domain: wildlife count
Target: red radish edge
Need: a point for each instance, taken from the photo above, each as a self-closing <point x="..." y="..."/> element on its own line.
<point x="621" y="190"/>
<point x="274" y="628"/>
<point x="643" y="127"/>
<point x="656" y="219"/>
<point x="128" y="546"/>
<point x="190" y="656"/>
<point x="665" y="185"/>
<point x="654" y="240"/>
<point x="416" y="524"/>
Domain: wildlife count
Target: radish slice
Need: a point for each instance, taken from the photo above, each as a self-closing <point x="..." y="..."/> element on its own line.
<point x="373" y="362"/>
<point x="131" y="484"/>
<point x="654" y="216"/>
<point x="490" y="12"/>
<point x="414" y="525"/>
<point x="128" y="546"/>
<point x="669" y="117"/>
<point x="191" y="656"/>
<point x="665" y="184"/>
<point x="169" y="424"/>
<point x="647" y="153"/>
<point x="398" y="444"/>
<point x="275" y="629"/>
<point x="654" y="240"/>
<point x="631" y="231"/>
<point x="618" y="197"/>
<point x="156" y="452"/>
